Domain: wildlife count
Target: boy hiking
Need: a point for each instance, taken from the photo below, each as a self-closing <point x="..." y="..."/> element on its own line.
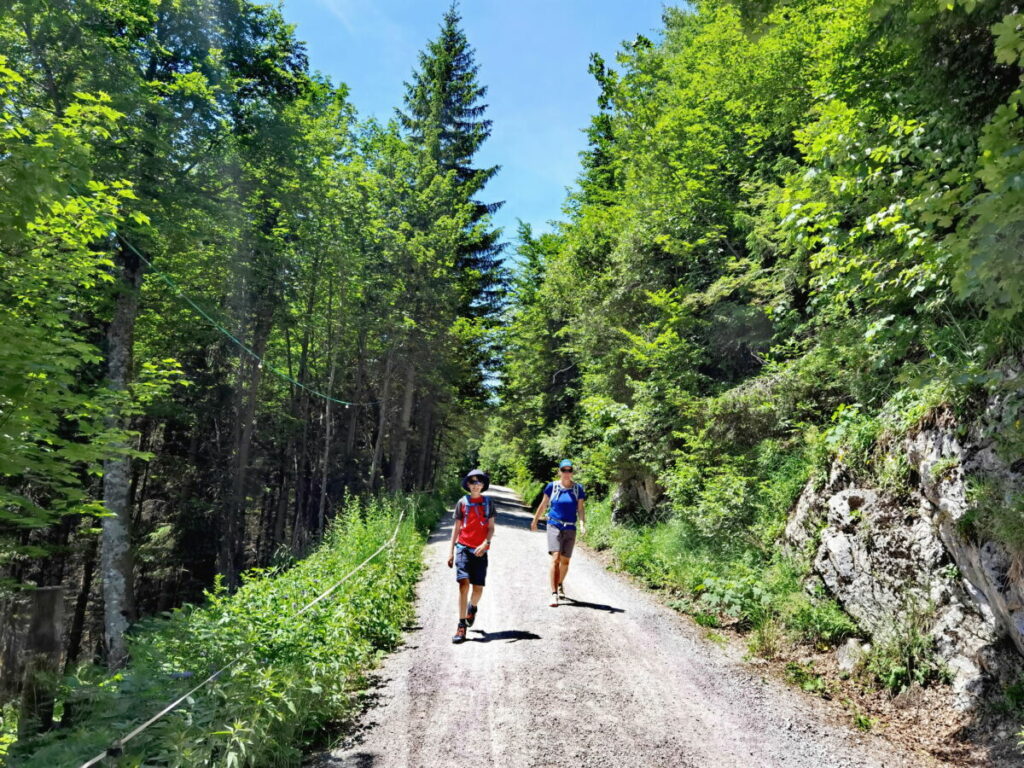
<point x="565" y="498"/>
<point x="471" y="540"/>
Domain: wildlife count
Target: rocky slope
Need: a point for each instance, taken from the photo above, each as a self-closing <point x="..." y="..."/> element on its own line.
<point x="914" y="554"/>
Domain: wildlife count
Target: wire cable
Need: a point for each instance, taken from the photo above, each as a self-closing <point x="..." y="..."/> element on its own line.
<point x="234" y="339"/>
<point x="28" y="133"/>
<point x="116" y="747"/>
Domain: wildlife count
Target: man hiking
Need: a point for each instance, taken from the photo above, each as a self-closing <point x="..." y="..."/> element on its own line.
<point x="564" y="498"/>
<point x="471" y="541"/>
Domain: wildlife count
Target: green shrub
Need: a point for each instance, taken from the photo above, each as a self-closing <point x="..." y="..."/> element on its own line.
<point x="1012" y="700"/>
<point x="905" y="655"/>
<point x="806" y="677"/>
<point x="743" y="598"/>
<point x="769" y="638"/>
<point x="814" y="619"/>
<point x="996" y="512"/>
<point x="292" y="674"/>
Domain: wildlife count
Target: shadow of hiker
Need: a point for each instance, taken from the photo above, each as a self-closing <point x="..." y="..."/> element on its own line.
<point x="568" y="601"/>
<point x="511" y="635"/>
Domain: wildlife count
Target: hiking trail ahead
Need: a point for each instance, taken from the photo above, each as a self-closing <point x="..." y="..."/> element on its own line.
<point x="611" y="679"/>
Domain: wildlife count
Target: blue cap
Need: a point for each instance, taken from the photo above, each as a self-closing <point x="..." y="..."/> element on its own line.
<point x="565" y="463"/>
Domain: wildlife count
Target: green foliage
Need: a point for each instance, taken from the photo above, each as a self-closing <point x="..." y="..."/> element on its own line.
<point x="293" y="674"/>
<point x="804" y="676"/>
<point x="54" y="412"/>
<point x="8" y="728"/>
<point x="1012" y="700"/>
<point x="996" y="512"/>
<point x="862" y="721"/>
<point x="905" y="654"/>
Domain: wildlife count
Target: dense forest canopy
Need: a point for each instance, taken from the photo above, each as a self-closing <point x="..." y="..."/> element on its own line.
<point x="227" y="301"/>
<point x="795" y="243"/>
<point x="790" y="215"/>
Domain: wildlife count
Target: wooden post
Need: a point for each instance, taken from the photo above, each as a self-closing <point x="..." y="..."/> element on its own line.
<point x="42" y="660"/>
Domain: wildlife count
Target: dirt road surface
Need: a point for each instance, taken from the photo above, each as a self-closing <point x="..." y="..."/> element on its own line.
<point x="612" y="678"/>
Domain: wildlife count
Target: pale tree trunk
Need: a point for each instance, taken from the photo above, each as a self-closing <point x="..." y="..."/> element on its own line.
<point x="325" y="460"/>
<point x="405" y="420"/>
<point x="116" y="557"/>
<point x="378" y="450"/>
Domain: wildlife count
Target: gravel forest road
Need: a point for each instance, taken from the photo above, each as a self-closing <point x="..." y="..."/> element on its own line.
<point x="613" y="678"/>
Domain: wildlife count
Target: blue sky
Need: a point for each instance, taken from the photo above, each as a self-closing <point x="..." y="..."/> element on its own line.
<point x="533" y="57"/>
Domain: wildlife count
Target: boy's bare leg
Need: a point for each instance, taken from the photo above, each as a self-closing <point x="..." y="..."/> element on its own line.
<point x="463" y="597"/>
<point x="477" y="593"/>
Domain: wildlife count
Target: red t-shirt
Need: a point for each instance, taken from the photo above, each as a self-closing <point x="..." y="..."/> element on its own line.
<point x="475" y="514"/>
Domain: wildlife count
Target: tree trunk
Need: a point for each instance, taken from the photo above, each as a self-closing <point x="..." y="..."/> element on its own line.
<point x="426" y="444"/>
<point x="405" y="420"/>
<point x="81" y="603"/>
<point x="117" y="564"/>
<point x="228" y="559"/>
<point x="325" y="459"/>
<point x="378" y="450"/>
<point x="42" y="661"/>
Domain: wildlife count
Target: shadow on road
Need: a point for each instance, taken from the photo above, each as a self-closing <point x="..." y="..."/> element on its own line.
<point x="356" y="760"/>
<point x="570" y="603"/>
<point x="511" y="635"/>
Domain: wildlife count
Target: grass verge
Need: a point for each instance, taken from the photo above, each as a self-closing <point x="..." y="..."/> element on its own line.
<point x="295" y="675"/>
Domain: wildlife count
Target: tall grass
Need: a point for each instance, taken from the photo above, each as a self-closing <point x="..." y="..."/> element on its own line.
<point x="296" y="674"/>
<point x="737" y="581"/>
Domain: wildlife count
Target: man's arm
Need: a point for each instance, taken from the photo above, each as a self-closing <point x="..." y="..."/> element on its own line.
<point x="540" y="510"/>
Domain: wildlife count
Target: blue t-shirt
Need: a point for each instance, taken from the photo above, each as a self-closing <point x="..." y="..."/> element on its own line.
<point x="562" y="512"/>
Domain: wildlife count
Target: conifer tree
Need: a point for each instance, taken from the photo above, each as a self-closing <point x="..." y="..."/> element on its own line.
<point x="444" y="119"/>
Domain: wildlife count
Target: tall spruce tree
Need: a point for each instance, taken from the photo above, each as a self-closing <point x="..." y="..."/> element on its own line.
<point x="444" y="119"/>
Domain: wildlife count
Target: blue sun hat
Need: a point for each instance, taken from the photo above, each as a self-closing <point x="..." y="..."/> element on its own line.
<point x="476" y="473"/>
<point x="566" y="463"/>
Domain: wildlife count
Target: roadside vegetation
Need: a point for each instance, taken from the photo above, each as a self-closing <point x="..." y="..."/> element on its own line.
<point x="230" y="310"/>
<point x="292" y="675"/>
<point x="794" y="241"/>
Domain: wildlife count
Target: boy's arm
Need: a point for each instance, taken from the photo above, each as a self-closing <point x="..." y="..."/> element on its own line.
<point x="486" y="546"/>
<point x="456" y="529"/>
<point x="540" y="510"/>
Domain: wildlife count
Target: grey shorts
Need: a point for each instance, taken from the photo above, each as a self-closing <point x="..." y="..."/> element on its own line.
<point x="561" y="541"/>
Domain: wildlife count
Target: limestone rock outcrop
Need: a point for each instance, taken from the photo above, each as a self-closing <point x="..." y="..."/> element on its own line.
<point x="884" y="555"/>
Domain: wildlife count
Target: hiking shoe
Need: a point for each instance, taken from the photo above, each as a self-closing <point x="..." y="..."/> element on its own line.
<point x="554" y="600"/>
<point x="460" y="634"/>
<point x="471" y="615"/>
<point x="561" y="592"/>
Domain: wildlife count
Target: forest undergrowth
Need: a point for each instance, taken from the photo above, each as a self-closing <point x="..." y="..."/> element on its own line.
<point x="292" y="676"/>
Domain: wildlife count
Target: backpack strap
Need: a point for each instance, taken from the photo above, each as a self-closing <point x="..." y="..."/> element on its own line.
<point x="558" y="488"/>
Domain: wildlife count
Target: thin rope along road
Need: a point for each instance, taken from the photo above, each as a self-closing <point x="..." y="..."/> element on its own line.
<point x="117" y="747"/>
